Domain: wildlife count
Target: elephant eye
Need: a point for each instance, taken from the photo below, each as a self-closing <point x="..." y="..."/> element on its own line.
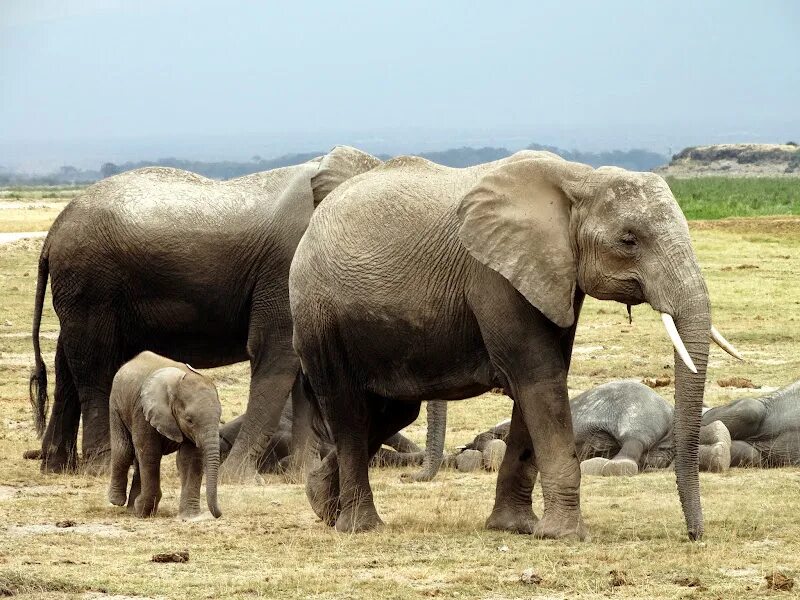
<point x="628" y="239"/>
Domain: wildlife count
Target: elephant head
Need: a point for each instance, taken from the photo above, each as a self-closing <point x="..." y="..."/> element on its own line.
<point x="182" y="404"/>
<point x="553" y="228"/>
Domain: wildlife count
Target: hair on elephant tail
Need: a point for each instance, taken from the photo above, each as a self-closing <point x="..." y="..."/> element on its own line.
<point x="319" y="426"/>
<point x="37" y="389"/>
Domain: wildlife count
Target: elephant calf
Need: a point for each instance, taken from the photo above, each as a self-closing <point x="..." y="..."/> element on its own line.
<point x="158" y="406"/>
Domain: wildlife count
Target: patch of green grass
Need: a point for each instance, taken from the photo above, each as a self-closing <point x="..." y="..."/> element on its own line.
<point x="720" y="197"/>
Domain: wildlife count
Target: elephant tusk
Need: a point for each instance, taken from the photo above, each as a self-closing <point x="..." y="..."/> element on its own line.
<point x="675" y="338"/>
<point x="720" y="341"/>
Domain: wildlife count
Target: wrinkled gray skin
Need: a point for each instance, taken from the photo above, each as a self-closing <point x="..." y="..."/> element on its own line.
<point x="626" y="427"/>
<point x="277" y="455"/>
<point x="158" y="406"/>
<point x="195" y="269"/>
<point x="420" y="282"/>
<point x="765" y="431"/>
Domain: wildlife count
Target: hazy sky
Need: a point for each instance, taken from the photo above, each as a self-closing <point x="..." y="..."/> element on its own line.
<point x="599" y="74"/>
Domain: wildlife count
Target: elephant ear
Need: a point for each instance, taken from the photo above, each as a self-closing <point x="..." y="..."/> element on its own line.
<point x="339" y="165"/>
<point x="157" y="395"/>
<point x="516" y="221"/>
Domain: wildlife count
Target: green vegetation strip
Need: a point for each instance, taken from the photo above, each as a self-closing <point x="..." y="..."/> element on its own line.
<point x="720" y="197"/>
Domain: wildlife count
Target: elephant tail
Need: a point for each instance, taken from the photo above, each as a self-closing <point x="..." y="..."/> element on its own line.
<point x="318" y="424"/>
<point x="37" y="390"/>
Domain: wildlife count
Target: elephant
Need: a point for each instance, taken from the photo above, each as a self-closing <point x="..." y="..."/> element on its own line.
<point x="156" y="407"/>
<point x="765" y="431"/>
<point x="191" y="268"/>
<point x="620" y="428"/>
<point x="275" y="458"/>
<point x="418" y="282"/>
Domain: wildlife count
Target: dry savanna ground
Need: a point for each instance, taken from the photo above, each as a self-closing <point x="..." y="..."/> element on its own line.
<point x="269" y="544"/>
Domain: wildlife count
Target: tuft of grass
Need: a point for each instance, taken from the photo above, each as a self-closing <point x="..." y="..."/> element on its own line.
<point x="720" y="197"/>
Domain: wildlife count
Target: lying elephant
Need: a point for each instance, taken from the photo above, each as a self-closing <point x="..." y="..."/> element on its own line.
<point x="765" y="431"/>
<point x="277" y="454"/>
<point x="620" y="428"/>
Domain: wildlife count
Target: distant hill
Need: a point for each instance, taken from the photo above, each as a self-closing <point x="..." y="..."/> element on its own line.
<point x="735" y="160"/>
<point x="638" y="160"/>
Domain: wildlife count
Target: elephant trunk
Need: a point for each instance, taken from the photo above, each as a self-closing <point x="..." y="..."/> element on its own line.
<point x="434" y="442"/>
<point x="210" y="447"/>
<point x="693" y="323"/>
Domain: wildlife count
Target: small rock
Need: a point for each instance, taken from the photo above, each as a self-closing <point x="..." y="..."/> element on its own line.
<point x="171" y="557"/>
<point x="618" y="578"/>
<point x="656" y="382"/>
<point x="275" y="502"/>
<point x="8" y="323"/>
<point x="737" y="382"/>
<point x="529" y="577"/>
<point x="503" y="548"/>
<point x="778" y="581"/>
<point x="469" y="460"/>
<point x="493" y="454"/>
<point x="66" y="523"/>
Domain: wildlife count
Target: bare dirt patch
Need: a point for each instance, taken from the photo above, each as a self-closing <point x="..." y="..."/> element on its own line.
<point x="93" y="529"/>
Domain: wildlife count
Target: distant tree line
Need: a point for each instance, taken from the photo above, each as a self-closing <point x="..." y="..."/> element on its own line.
<point x="639" y="160"/>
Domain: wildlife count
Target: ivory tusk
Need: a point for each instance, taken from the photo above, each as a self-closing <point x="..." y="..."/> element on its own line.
<point x="675" y="338"/>
<point x="720" y="341"/>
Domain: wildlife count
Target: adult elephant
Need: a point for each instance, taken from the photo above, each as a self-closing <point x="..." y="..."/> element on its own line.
<point x="188" y="267"/>
<point x="419" y="282"/>
<point x="765" y="431"/>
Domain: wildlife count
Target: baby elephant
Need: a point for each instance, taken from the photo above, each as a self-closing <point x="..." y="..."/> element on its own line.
<point x="158" y="406"/>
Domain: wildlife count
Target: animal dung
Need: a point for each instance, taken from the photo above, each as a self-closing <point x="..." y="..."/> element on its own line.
<point x="655" y="382"/>
<point x="171" y="557"/>
<point x="737" y="382"/>
<point x="778" y="581"/>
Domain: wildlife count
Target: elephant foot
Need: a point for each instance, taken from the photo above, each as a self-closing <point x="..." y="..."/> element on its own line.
<point x="620" y="467"/>
<point x="361" y="517"/>
<point x="556" y="528"/>
<point x="715" y="458"/>
<point x="194" y="514"/>
<point x="593" y="466"/>
<point x="144" y="507"/>
<point x="493" y="454"/>
<point x="515" y="520"/>
<point x="117" y="497"/>
<point x="59" y="461"/>
<point x="714" y="433"/>
<point x="322" y="491"/>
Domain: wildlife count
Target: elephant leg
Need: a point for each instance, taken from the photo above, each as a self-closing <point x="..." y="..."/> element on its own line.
<point x="744" y="454"/>
<point x="302" y="455"/>
<point x="60" y="440"/>
<point x="715" y="447"/>
<point x="190" y="467"/>
<point x="122" y="457"/>
<point x="136" y="486"/>
<point x="626" y="462"/>
<point x="434" y="442"/>
<point x="322" y="489"/>
<point x="274" y="367"/>
<point x="94" y="354"/>
<point x="784" y="450"/>
<point x="513" y="504"/>
<point x="146" y="503"/>
<point x="545" y="408"/>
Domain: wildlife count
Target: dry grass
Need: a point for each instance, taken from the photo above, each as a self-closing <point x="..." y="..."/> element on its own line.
<point x="269" y="544"/>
